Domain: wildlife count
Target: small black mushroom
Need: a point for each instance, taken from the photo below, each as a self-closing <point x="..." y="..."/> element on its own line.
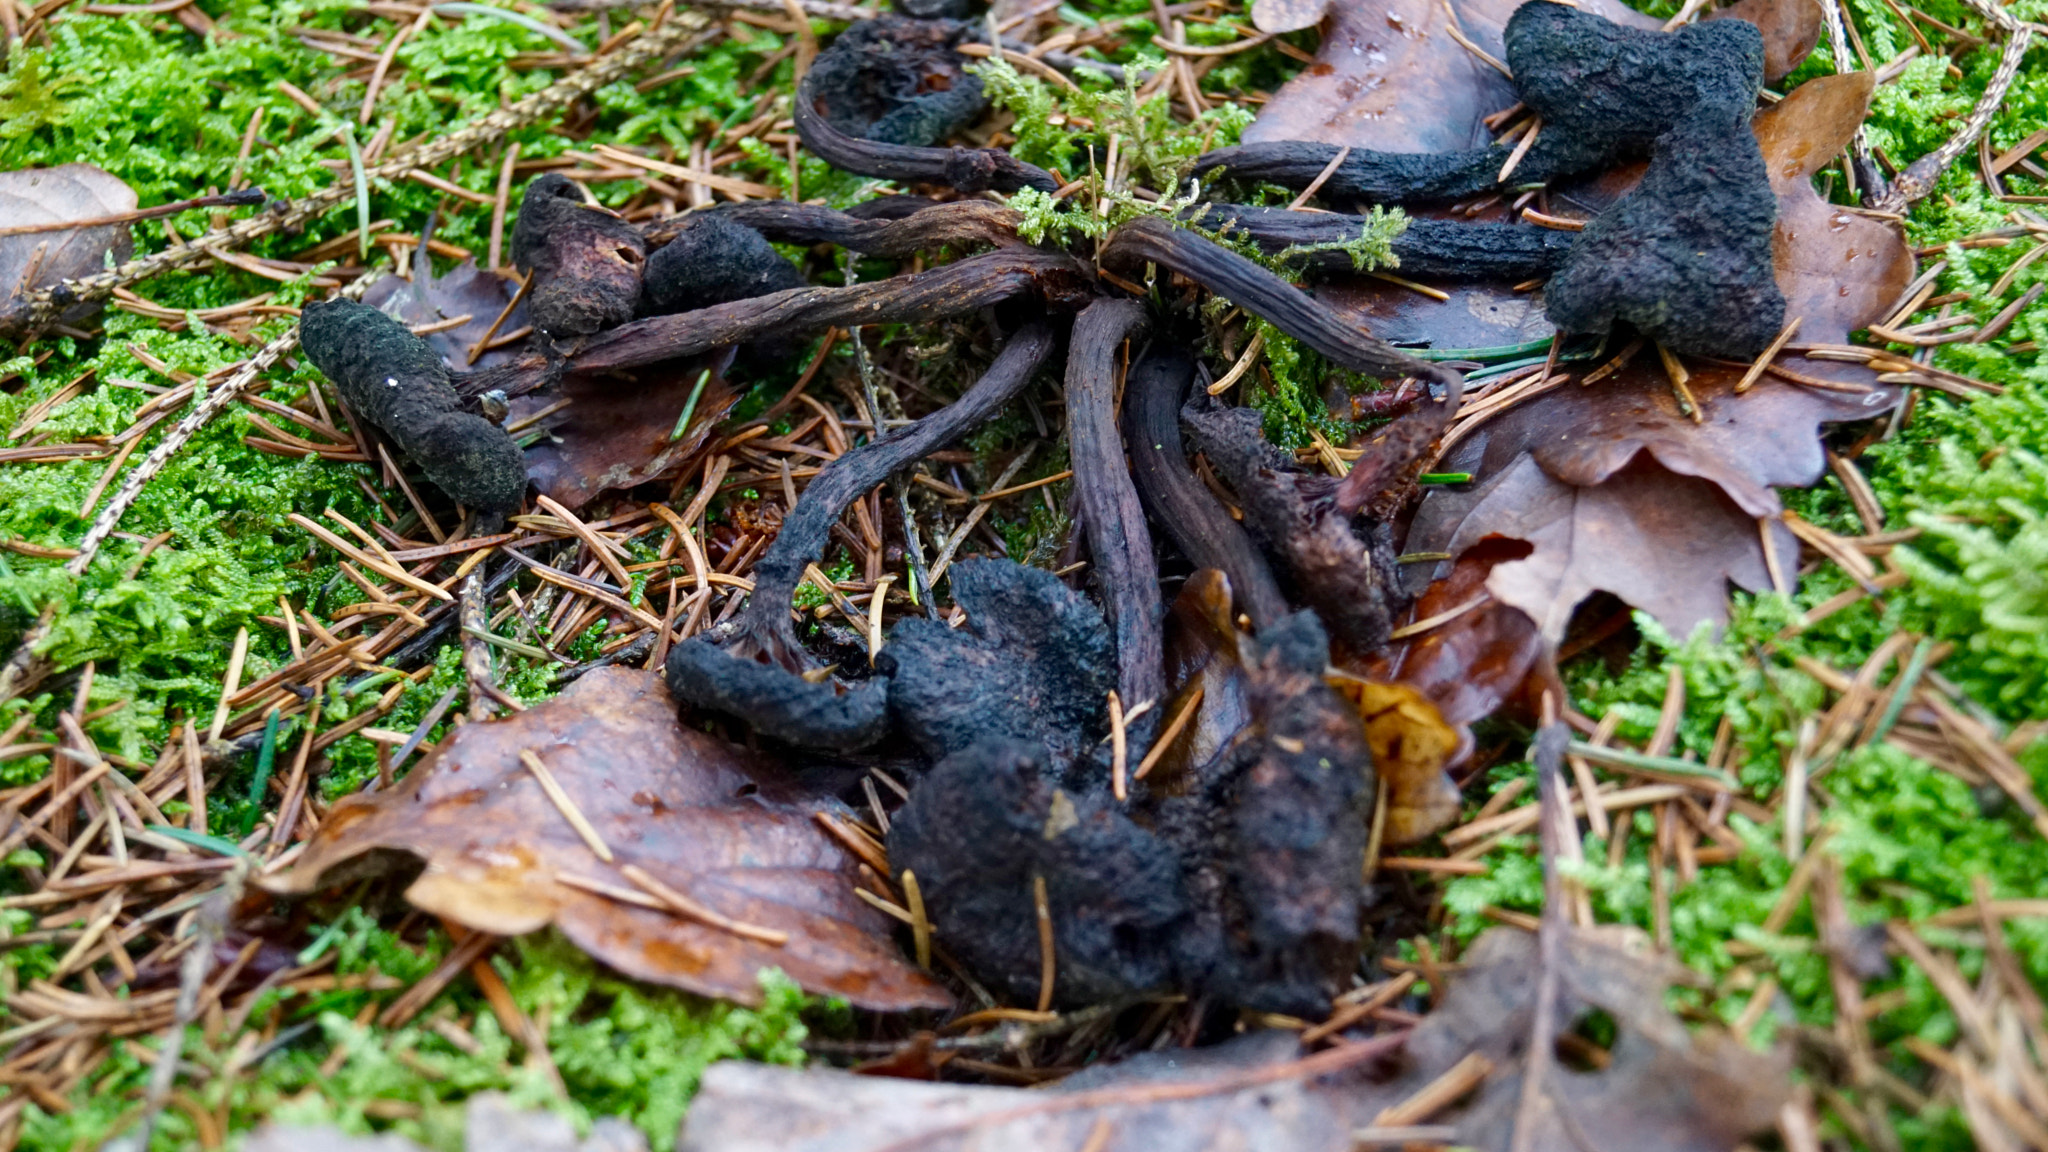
<point x="392" y="379"/>
<point x="986" y="826"/>
<point x="585" y="262"/>
<point x="753" y="667"/>
<point x="1686" y="257"/>
<point x="1033" y="663"/>
<point x="713" y="260"/>
<point x="885" y="92"/>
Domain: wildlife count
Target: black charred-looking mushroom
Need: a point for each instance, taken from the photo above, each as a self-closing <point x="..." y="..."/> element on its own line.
<point x="1306" y="520"/>
<point x="1603" y="91"/>
<point x="710" y="260"/>
<point x="1267" y="296"/>
<point x="1034" y="663"/>
<point x="1246" y="890"/>
<point x="1125" y="571"/>
<point x="752" y="667"/>
<point x="1426" y="248"/>
<point x="585" y="262"/>
<point x="896" y="80"/>
<point x="911" y="224"/>
<point x="392" y="379"/>
<point x="1686" y="256"/>
<point x="989" y="822"/>
<point x="887" y="89"/>
<point x="1177" y="499"/>
<point x="1273" y="842"/>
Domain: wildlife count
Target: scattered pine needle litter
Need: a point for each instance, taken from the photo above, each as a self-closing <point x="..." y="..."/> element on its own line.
<point x="138" y="889"/>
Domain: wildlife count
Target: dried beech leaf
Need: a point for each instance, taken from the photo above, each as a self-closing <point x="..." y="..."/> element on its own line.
<point x="1276" y="16"/>
<point x="1663" y="1089"/>
<point x="464" y="290"/>
<point x="1839" y="270"/>
<point x="1663" y="542"/>
<point x="1791" y="28"/>
<point x="745" y="1107"/>
<point x="1389" y="76"/>
<point x="613" y="435"/>
<point x="704" y="817"/>
<point x="36" y="260"/>
<point x="1202" y="654"/>
<point x="1671" y="542"/>
<point x="1411" y="745"/>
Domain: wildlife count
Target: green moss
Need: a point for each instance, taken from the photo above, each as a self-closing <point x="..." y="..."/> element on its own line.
<point x="622" y="1049"/>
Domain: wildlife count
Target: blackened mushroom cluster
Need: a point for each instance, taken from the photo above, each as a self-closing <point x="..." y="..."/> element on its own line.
<point x="1236" y="876"/>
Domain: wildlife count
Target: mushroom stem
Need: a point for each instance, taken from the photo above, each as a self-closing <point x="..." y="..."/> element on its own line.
<point x="1178" y="500"/>
<point x="1266" y="295"/>
<point x="966" y="169"/>
<point x="961" y="222"/>
<point x="1118" y="541"/>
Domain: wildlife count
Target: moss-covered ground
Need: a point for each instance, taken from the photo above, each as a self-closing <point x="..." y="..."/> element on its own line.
<point x="166" y="109"/>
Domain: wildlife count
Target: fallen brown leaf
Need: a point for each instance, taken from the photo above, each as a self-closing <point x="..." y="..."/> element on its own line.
<point x="1276" y="16"/>
<point x="1411" y="746"/>
<point x="34" y="260"/>
<point x="1659" y="1088"/>
<point x="1184" y="1100"/>
<point x="612" y="435"/>
<point x="464" y="290"/>
<point x="1620" y="490"/>
<point x="703" y="817"/>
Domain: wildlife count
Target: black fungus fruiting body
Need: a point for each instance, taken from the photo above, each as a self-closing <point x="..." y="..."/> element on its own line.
<point x="1246" y="889"/>
<point x="877" y="100"/>
<point x="1686" y="256"/>
<point x="896" y="80"/>
<point x="936" y="9"/>
<point x="1119" y="544"/>
<point x="888" y="231"/>
<point x="1603" y="91"/>
<point x="1033" y="663"/>
<point x="986" y="824"/>
<point x="585" y="262"/>
<point x="1177" y="499"/>
<point x="392" y="379"/>
<point x="1425" y="248"/>
<point x="1593" y="80"/>
<point x="1262" y="293"/>
<point x="713" y="260"/>
<point x="1278" y="874"/>
<point x="1297" y="517"/>
<point x="752" y="667"/>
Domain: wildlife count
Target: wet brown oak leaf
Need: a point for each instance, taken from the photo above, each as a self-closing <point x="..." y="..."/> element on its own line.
<point x="1661" y="1089"/>
<point x="704" y="817"/>
<point x="1620" y="490"/>
<point x="1657" y="1088"/>
<point x="464" y="290"/>
<point x="604" y="435"/>
<point x="1389" y="75"/>
<point x="1243" y="1094"/>
<point x="31" y="261"/>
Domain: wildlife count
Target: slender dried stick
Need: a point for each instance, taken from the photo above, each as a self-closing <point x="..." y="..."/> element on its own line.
<point x="1919" y="177"/>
